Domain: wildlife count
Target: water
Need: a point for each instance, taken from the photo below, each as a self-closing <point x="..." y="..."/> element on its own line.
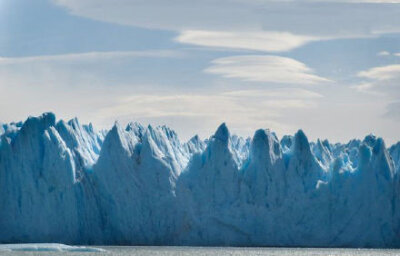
<point x="218" y="251"/>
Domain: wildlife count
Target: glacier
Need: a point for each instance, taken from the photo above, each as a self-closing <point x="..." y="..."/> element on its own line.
<point x="66" y="182"/>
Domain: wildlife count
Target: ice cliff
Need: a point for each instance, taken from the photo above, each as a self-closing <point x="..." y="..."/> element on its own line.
<point x="68" y="183"/>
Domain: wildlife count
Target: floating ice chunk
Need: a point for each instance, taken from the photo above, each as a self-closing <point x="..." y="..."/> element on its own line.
<point x="48" y="248"/>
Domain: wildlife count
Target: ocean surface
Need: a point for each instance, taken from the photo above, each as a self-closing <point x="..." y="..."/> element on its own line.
<point x="203" y="251"/>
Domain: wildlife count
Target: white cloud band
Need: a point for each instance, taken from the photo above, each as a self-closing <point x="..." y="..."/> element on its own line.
<point x="258" y="40"/>
<point x="265" y="68"/>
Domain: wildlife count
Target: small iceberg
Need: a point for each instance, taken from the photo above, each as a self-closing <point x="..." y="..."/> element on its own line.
<point x="45" y="247"/>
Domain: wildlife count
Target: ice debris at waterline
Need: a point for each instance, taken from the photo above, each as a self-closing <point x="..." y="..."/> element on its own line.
<point x="47" y="248"/>
<point x="68" y="183"/>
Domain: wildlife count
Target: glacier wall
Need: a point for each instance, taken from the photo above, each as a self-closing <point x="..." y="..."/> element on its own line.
<point x="68" y="183"/>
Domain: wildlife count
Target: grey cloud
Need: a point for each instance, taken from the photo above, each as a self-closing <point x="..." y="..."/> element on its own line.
<point x="304" y="18"/>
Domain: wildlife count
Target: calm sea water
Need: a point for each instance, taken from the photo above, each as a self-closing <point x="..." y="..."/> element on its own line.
<point x="201" y="251"/>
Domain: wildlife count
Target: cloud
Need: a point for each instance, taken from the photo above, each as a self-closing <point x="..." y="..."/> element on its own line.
<point x="243" y="110"/>
<point x="71" y="84"/>
<point x="265" y="68"/>
<point x="385" y="82"/>
<point x="260" y="25"/>
<point x="386" y="53"/>
<point x="384" y="73"/>
<point x="259" y="40"/>
<point x="287" y="93"/>
<point x="383" y="53"/>
<point x="94" y="87"/>
<point x="213" y="105"/>
<point x="91" y="56"/>
<point x="98" y="92"/>
<point x="310" y="18"/>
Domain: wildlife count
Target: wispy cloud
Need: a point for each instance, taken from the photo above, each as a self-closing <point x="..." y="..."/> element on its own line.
<point x="72" y="84"/>
<point x="91" y="56"/>
<point x="385" y="82"/>
<point x="265" y="68"/>
<point x="95" y="85"/>
<point x="267" y="41"/>
<point x="286" y="93"/>
<point x="383" y="53"/>
<point x="97" y="91"/>
<point x="386" y="53"/>
<point x="243" y="110"/>
<point x="257" y="25"/>
<point x="310" y="18"/>
<point x="149" y="105"/>
<point x="384" y="73"/>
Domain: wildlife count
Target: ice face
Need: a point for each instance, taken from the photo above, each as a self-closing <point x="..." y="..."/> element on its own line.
<point x="67" y="182"/>
<point x="395" y="154"/>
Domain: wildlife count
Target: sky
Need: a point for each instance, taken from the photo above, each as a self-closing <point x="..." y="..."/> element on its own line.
<point x="329" y="67"/>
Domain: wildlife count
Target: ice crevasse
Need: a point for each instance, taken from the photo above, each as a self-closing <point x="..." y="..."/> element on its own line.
<point x="64" y="182"/>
